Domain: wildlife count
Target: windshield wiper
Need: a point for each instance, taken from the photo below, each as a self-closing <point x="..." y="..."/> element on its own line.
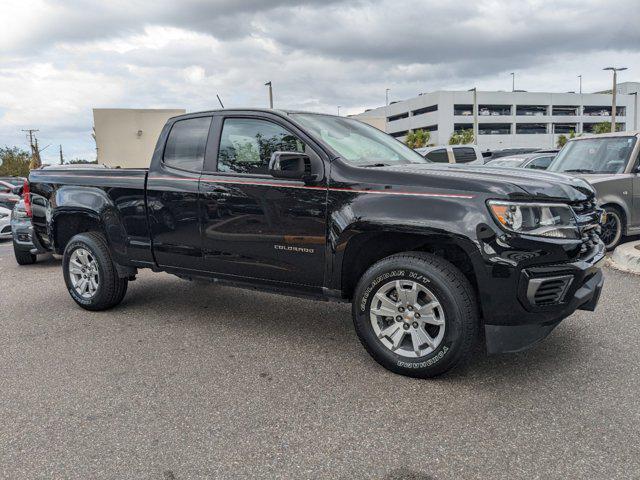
<point x="578" y="170"/>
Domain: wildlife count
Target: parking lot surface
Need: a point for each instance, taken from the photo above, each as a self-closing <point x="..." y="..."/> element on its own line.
<point x="184" y="380"/>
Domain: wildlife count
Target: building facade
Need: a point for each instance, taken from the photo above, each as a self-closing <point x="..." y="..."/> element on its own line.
<point x="507" y="119"/>
<point x="126" y="137"/>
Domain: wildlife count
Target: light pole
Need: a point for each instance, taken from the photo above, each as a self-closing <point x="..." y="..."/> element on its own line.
<point x="268" y="84"/>
<point x="386" y="113"/>
<point x="513" y="81"/>
<point x="580" y="77"/>
<point x="615" y="71"/>
<point x="339" y="109"/>
<point x="475" y="114"/>
<point x="635" y="110"/>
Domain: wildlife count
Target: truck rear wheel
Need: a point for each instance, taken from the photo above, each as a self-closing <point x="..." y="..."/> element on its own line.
<point x="90" y="274"/>
<point x="415" y="313"/>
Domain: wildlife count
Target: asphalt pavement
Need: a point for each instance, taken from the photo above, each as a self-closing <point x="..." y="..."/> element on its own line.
<point x="185" y="380"/>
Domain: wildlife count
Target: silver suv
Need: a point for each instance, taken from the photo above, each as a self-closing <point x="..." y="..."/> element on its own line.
<point x="610" y="163"/>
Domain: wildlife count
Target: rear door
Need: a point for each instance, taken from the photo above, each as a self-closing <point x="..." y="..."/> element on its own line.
<point x="254" y="225"/>
<point x="172" y="194"/>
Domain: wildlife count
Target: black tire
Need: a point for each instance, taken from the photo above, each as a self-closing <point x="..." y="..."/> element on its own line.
<point x="451" y="289"/>
<point x="24" y="257"/>
<point x="613" y="228"/>
<point x="111" y="288"/>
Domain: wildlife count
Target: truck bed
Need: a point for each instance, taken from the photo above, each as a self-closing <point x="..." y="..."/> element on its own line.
<point x="117" y="193"/>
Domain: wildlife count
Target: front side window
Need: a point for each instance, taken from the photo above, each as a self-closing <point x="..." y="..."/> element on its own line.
<point x="186" y="144"/>
<point x="246" y="145"/>
<point x="594" y="155"/>
<point x="438" y="156"/>
<point x="541" y="163"/>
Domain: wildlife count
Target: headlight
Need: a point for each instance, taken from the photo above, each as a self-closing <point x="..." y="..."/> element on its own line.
<point x="555" y="220"/>
<point x="2" y="215"/>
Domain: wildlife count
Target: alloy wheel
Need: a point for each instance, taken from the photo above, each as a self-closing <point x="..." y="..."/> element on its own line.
<point x="84" y="274"/>
<point x="407" y="318"/>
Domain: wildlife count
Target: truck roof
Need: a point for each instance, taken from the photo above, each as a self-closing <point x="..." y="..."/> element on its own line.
<point x="278" y="111"/>
<point x="628" y="133"/>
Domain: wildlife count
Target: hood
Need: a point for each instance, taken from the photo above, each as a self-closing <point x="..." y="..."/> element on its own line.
<point x="515" y="183"/>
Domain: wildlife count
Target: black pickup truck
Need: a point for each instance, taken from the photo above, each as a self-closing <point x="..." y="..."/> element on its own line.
<point x="330" y="208"/>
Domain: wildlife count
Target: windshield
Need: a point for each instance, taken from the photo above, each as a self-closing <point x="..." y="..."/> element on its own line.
<point x="358" y="143"/>
<point x="594" y="155"/>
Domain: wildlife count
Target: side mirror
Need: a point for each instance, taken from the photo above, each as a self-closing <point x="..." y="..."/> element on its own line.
<point x="292" y="165"/>
<point x="17" y="190"/>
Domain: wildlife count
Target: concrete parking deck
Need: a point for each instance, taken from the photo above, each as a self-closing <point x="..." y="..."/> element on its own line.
<point x="190" y="381"/>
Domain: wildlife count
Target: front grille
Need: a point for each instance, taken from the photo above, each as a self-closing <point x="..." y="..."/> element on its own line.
<point x="6" y="229"/>
<point x="549" y="290"/>
<point x="588" y="217"/>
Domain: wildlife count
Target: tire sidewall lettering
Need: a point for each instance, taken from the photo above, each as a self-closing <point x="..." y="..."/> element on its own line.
<point x="363" y="307"/>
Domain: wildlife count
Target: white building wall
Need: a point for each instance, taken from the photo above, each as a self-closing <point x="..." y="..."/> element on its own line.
<point x="126" y="137"/>
<point x="445" y="119"/>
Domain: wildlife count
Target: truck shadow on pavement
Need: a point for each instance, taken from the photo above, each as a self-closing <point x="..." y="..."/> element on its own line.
<point x="326" y="328"/>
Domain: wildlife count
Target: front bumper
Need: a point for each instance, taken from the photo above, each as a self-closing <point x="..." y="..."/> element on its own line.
<point x="535" y="299"/>
<point x="515" y="338"/>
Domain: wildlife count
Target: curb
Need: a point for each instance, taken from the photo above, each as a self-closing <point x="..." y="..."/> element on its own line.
<point x="626" y="257"/>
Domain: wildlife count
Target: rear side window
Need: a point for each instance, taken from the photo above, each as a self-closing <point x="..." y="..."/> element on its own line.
<point x="186" y="144"/>
<point x="438" y="156"/>
<point x="464" y="155"/>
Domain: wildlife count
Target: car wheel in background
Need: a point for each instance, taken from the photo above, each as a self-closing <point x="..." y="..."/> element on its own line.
<point x="24" y="257"/>
<point x="612" y="228"/>
<point x="90" y="274"/>
<point x="415" y="313"/>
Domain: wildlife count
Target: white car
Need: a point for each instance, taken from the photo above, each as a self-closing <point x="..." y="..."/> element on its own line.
<point x="5" y="223"/>
<point x="452" y="154"/>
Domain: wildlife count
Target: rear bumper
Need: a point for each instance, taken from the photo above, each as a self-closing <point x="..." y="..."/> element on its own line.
<point x="24" y="239"/>
<point x="515" y="338"/>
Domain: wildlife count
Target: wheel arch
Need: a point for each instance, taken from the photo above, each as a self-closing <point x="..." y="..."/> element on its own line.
<point x="622" y="209"/>
<point x="366" y="248"/>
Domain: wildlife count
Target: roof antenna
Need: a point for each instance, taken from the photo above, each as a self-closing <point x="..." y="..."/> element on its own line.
<point x="218" y="96"/>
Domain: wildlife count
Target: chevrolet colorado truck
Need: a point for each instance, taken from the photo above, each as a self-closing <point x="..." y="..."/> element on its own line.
<point x="429" y="255"/>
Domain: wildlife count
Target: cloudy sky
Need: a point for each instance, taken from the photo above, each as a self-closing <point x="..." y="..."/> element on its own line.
<point x="59" y="59"/>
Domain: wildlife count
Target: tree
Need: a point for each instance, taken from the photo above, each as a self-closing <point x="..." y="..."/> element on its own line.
<point x="418" y="138"/>
<point x="562" y="141"/>
<point x="15" y="162"/>
<point x="80" y="161"/>
<point x="461" y="137"/>
<point x="605" y="127"/>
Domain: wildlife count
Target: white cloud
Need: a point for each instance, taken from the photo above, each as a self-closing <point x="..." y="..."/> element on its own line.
<point x="60" y="59"/>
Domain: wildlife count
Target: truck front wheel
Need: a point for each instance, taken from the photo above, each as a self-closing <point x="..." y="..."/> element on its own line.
<point x="415" y="313"/>
<point x="90" y="274"/>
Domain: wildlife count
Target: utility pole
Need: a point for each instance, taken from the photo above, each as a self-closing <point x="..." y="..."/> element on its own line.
<point x="61" y="156"/>
<point x="513" y="81"/>
<point x="614" y="92"/>
<point x="339" y="109"/>
<point x="35" y="151"/>
<point x="268" y="84"/>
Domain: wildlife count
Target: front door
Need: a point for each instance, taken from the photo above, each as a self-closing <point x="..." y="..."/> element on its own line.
<point x="254" y="225"/>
